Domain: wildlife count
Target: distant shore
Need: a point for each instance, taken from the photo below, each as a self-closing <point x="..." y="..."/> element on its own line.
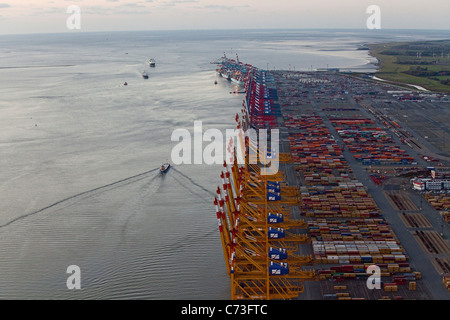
<point x="420" y="88"/>
<point x="424" y="65"/>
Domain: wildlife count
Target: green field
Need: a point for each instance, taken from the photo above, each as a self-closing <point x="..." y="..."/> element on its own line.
<point x="422" y="63"/>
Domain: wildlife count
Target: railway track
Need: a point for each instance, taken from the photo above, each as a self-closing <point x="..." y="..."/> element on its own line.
<point x="415" y="220"/>
<point x="432" y="242"/>
<point x="401" y="202"/>
<point x="442" y="265"/>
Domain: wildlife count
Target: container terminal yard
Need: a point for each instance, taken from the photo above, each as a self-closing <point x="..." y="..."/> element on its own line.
<point x="362" y="187"/>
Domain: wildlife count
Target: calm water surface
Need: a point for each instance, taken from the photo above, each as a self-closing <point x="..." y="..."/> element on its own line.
<point x="79" y="154"/>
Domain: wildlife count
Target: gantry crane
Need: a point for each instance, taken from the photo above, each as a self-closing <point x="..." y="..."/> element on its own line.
<point x="259" y="236"/>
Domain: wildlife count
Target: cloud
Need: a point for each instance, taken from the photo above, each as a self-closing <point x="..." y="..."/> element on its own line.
<point x="116" y="7"/>
<point x="171" y="3"/>
<point x="220" y="7"/>
<point x="132" y="5"/>
<point x="130" y="8"/>
<point x="180" y="1"/>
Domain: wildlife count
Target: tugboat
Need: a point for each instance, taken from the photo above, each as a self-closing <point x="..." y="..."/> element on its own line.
<point x="164" y="168"/>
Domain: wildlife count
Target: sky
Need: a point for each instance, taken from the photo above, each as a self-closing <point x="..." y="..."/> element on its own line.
<point x="47" y="16"/>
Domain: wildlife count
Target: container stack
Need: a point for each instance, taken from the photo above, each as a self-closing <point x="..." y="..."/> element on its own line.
<point x="312" y="146"/>
<point x="347" y="230"/>
<point x="441" y="203"/>
<point x="355" y="241"/>
<point x="261" y="99"/>
<point x="446" y="281"/>
<point x="348" y="200"/>
<point x="368" y="143"/>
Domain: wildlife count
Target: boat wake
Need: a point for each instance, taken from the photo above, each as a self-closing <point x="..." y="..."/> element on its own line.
<point x="193" y="182"/>
<point x="136" y="204"/>
<point x="118" y="183"/>
<point x="197" y="194"/>
<point x="43" y="66"/>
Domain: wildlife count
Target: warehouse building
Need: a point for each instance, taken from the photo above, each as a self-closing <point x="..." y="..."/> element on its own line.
<point x="429" y="184"/>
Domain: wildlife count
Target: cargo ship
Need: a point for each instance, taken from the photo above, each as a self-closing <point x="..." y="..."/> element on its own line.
<point x="233" y="70"/>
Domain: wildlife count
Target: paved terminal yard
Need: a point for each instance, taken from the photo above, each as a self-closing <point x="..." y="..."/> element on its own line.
<point x="352" y="141"/>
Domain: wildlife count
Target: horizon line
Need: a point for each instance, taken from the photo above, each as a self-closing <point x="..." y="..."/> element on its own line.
<point x="218" y="29"/>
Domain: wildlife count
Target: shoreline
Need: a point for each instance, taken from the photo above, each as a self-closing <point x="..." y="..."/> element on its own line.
<point x="388" y="66"/>
<point x="407" y="84"/>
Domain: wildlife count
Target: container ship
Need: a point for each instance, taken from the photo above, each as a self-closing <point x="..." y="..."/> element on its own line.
<point x="233" y="70"/>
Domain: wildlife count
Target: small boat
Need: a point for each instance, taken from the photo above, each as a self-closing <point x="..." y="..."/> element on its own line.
<point x="152" y="62"/>
<point x="164" y="168"/>
<point x="125" y="84"/>
<point x="144" y="75"/>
